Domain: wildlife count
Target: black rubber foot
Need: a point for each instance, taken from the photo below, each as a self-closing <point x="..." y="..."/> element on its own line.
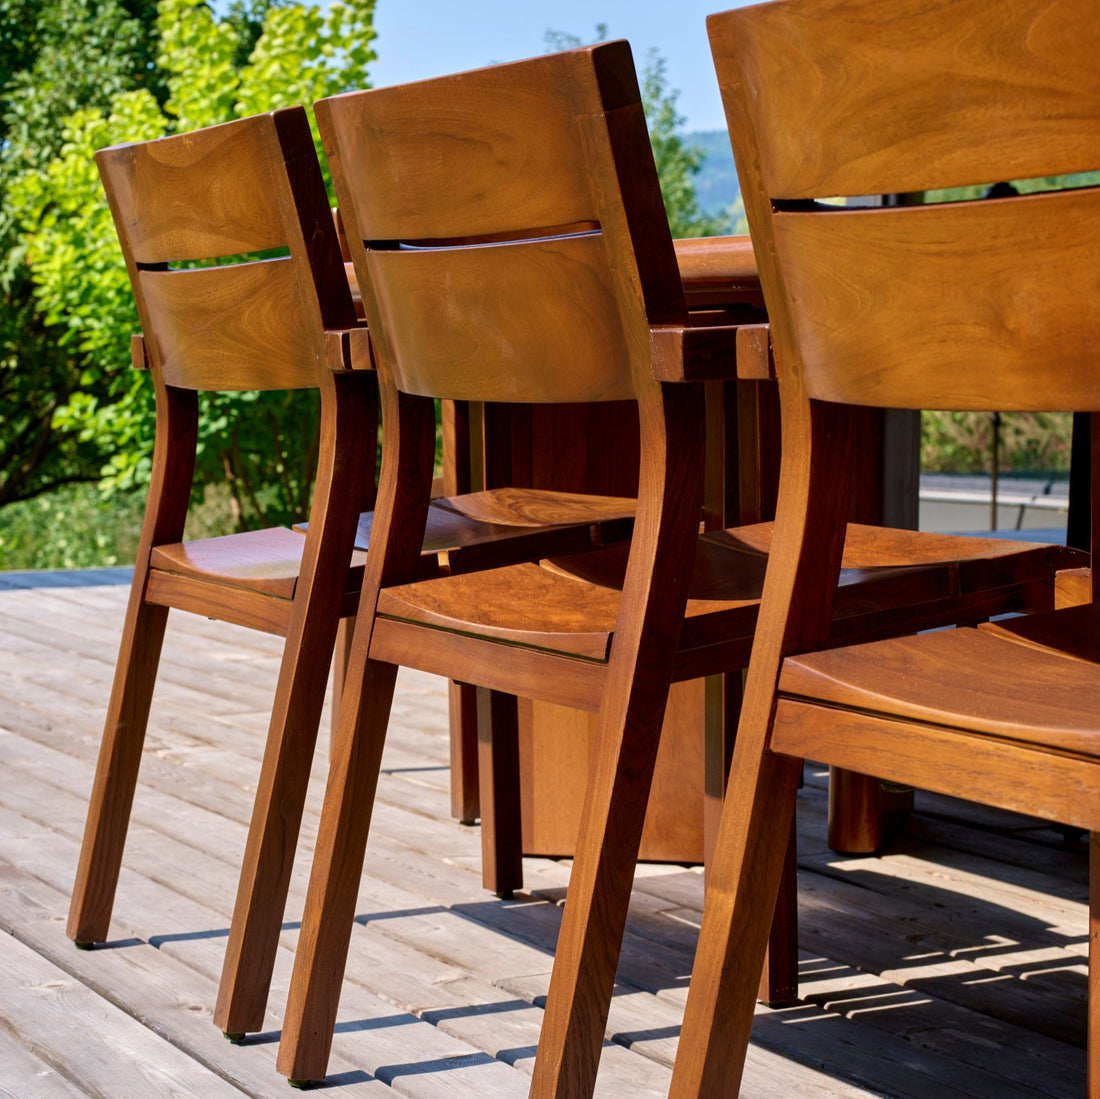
<point x="236" y="1039"/>
<point x="301" y="1085"/>
<point x="83" y="946"/>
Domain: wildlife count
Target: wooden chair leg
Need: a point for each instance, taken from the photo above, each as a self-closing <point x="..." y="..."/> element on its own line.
<point x="117" y="769"/>
<point x="498" y="785"/>
<point x="273" y="831"/>
<point x="322" y="950"/>
<point x="1094" y="968"/>
<point x="340" y="654"/>
<point x="862" y="814"/>
<point x="598" y="896"/>
<point x="737" y="918"/>
<point x="779" y="977"/>
<point x="465" y="804"/>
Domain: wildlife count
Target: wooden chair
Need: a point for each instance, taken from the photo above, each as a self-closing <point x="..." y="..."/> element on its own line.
<point x="972" y="305"/>
<point x="246" y="187"/>
<point x="241" y="188"/>
<point x="509" y="236"/>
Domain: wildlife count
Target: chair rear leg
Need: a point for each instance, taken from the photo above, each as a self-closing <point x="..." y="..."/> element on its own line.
<point x="498" y="783"/>
<point x="117" y="769"/>
<point x="779" y="978"/>
<point x="1094" y="968"/>
<point x="321" y="954"/>
<point x="598" y="896"/>
<point x="465" y="802"/>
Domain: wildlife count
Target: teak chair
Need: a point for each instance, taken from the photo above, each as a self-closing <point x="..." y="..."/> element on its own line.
<point x="234" y="190"/>
<point x="509" y="236"/>
<point x="231" y="191"/>
<point x="966" y="305"/>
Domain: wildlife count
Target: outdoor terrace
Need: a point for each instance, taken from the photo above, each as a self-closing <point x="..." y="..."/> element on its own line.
<point x="953" y="965"/>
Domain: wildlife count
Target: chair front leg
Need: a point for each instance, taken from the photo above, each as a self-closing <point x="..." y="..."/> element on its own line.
<point x="737" y="917"/>
<point x="276" y="820"/>
<point x="327" y="921"/>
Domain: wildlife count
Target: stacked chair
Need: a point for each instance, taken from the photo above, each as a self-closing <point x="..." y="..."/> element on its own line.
<point x="967" y="305"/>
<point x="510" y="243"/>
<point x="275" y="313"/>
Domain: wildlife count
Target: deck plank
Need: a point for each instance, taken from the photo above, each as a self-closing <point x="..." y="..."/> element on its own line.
<point x="951" y="965"/>
<point x="84" y="1038"/>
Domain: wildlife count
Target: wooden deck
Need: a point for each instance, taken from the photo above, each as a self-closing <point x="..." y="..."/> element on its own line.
<point x="953" y="965"/>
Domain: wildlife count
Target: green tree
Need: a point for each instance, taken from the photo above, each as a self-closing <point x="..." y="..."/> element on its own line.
<point x="209" y="69"/>
<point x="678" y="162"/>
<point x="55" y="57"/>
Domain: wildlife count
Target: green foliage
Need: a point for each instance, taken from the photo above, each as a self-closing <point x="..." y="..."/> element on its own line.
<point x="71" y="528"/>
<point x="677" y="161"/>
<point x="55" y="58"/>
<point x="962" y="442"/>
<point x="263" y="54"/>
<point x="1023" y="186"/>
<point x="77" y="526"/>
<point x="716" y="186"/>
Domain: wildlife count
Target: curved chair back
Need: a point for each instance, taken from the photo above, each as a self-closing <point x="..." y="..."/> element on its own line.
<point x="239" y="300"/>
<point x="956" y="305"/>
<point x="503" y="262"/>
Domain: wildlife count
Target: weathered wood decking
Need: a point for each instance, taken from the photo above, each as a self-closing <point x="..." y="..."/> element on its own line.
<point x="952" y="966"/>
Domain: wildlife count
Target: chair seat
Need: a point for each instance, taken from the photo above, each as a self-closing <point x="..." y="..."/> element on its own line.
<point x="867" y="547"/>
<point x="528" y="605"/>
<point x="966" y="679"/>
<point x="264" y="561"/>
<point x="1070" y="631"/>
<point x="499" y="526"/>
<point x="528" y="507"/>
<point x="570" y="603"/>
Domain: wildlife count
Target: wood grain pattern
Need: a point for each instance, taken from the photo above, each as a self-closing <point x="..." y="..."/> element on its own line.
<point x="944" y="338"/>
<point x="977" y="305"/>
<point x="448" y="338"/>
<point x="265" y="560"/>
<point x="166" y="201"/>
<point x="886" y="100"/>
<point x="969" y="679"/>
<point x="500" y="136"/>
<point x="248" y="186"/>
<point x="232" y="328"/>
<point x="1067" y="631"/>
<point x="502" y="333"/>
<point x="946" y="759"/>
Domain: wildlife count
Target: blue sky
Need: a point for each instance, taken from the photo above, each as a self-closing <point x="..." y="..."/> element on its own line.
<point x="422" y="38"/>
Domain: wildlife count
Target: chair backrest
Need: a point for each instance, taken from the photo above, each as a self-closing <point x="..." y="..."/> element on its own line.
<point x="182" y="203"/>
<point x="511" y="227"/>
<point x="991" y="304"/>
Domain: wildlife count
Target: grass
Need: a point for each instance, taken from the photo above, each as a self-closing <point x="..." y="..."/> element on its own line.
<point x="77" y="527"/>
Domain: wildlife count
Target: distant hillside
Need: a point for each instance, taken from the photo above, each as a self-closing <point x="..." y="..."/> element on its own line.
<point x="716" y="184"/>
